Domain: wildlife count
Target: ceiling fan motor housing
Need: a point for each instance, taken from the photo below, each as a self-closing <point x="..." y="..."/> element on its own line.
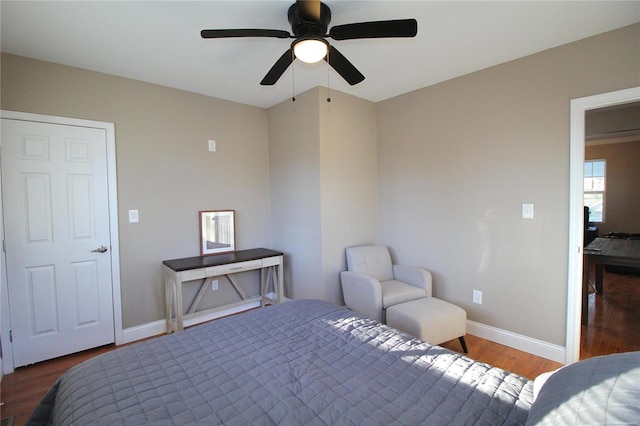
<point x="307" y="26"/>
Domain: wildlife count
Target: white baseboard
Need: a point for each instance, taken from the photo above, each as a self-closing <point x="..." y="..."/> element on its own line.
<point x="143" y="331"/>
<point x="517" y="341"/>
<point x="155" y="328"/>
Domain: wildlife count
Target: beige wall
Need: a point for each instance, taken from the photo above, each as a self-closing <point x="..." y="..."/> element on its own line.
<point x="294" y="162"/>
<point x="323" y="163"/>
<point x="622" y="197"/>
<point x="458" y="159"/>
<point x="164" y="168"/>
<point x="349" y="187"/>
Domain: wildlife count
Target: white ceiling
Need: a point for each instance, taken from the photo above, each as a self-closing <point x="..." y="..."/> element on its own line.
<point x="159" y="41"/>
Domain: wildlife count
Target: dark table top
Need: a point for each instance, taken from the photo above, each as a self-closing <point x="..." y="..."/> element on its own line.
<point x="219" y="259"/>
<point x="614" y="248"/>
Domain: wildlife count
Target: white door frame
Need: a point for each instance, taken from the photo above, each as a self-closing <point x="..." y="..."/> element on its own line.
<point x="576" y="205"/>
<point x="109" y="128"/>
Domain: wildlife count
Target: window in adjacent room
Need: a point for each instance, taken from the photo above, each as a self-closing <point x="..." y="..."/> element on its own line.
<point x="594" y="188"/>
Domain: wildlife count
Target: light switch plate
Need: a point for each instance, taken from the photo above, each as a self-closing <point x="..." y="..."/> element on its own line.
<point x="212" y="146"/>
<point x="527" y="211"/>
<point x="133" y="216"/>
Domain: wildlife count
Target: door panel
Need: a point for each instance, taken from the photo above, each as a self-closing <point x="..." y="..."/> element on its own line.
<point x="43" y="308"/>
<point x="36" y="191"/>
<point x="81" y="200"/>
<point x="86" y="285"/>
<point x="55" y="197"/>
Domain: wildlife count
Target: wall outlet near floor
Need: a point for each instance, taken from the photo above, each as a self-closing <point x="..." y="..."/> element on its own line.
<point x="214" y="285"/>
<point x="477" y="297"/>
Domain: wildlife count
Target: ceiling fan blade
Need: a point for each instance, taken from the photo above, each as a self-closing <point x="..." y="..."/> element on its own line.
<point x="278" y="69"/>
<point x="343" y="67"/>
<point x="309" y="9"/>
<point x="376" y="29"/>
<point x="244" y="33"/>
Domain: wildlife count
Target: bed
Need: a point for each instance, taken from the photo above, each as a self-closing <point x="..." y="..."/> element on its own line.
<point x="301" y="362"/>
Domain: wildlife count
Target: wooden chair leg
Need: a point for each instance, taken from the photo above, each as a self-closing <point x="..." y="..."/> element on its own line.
<point x="464" y="344"/>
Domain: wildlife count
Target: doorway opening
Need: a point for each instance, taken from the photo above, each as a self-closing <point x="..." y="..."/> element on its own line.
<point x="579" y="107"/>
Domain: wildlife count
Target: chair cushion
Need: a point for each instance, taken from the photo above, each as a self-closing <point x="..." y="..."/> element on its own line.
<point x="394" y="292"/>
<point x="374" y="261"/>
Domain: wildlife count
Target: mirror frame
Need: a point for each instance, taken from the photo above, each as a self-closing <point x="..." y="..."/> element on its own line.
<point x="207" y="216"/>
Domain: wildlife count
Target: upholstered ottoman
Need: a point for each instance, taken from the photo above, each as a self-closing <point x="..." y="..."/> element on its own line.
<point x="429" y="319"/>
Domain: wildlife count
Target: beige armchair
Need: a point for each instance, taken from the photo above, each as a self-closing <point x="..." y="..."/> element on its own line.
<point x="399" y="296"/>
<point x="372" y="283"/>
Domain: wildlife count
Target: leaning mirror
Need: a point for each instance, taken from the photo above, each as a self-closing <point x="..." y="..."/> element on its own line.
<point x="217" y="232"/>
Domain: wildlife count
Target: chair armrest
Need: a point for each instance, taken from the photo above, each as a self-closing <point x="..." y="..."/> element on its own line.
<point x="414" y="275"/>
<point x="362" y="294"/>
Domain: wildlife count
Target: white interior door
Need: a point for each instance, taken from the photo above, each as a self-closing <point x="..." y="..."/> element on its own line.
<point x="57" y="239"/>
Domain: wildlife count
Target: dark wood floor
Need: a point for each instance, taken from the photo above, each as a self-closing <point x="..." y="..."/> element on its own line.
<point x="614" y="326"/>
<point x="614" y="317"/>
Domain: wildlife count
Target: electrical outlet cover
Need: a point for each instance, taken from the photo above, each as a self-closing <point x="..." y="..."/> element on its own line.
<point x="527" y="211"/>
<point x="477" y="297"/>
<point x="134" y="217"/>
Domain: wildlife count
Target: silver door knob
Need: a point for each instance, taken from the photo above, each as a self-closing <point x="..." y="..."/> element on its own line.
<point x="101" y="249"/>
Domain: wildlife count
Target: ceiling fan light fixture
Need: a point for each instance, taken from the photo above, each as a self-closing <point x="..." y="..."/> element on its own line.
<point x="310" y="50"/>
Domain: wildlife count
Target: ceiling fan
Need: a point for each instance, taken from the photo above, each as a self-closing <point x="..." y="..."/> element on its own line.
<point x="309" y="21"/>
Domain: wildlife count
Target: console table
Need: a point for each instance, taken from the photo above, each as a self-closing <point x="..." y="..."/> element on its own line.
<point x="178" y="271"/>
<point x="606" y="251"/>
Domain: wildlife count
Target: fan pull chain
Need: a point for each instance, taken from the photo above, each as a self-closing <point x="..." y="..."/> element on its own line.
<point x="328" y="79"/>
<point x="293" y="77"/>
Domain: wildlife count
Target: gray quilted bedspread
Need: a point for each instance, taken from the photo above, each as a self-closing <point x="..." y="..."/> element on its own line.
<point x="301" y="362"/>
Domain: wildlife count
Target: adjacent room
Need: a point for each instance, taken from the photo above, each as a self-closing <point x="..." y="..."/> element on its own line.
<point x="180" y="192"/>
<point x="612" y="165"/>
